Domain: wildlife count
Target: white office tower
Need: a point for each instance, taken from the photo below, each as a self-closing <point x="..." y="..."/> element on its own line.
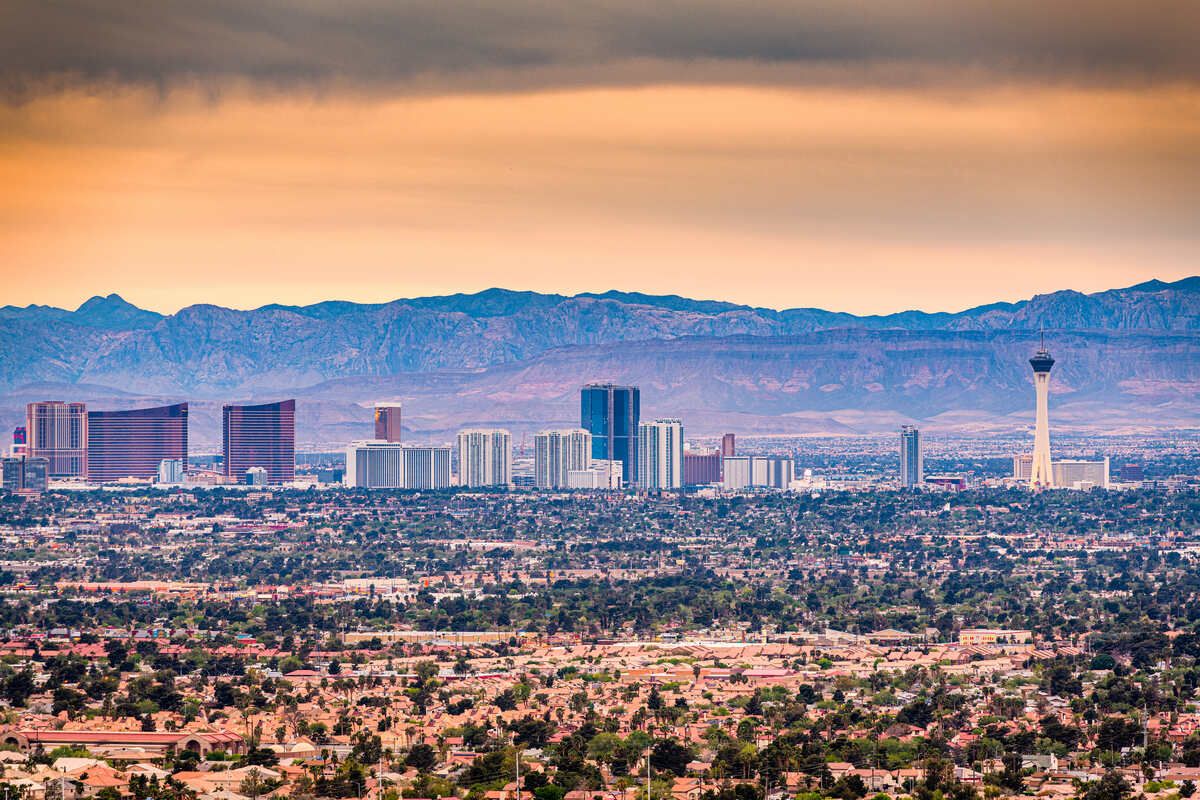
<point x="171" y="471"/>
<point x="484" y="457"/>
<point x="1041" y="474"/>
<point x="556" y="454"/>
<point x="912" y="461"/>
<point x="374" y="464"/>
<point x="426" y="467"/>
<point x="660" y="454"/>
<point x="757" y="472"/>
<point x="1074" y="474"/>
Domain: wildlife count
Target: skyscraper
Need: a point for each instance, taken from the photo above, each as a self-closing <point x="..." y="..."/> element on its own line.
<point x="484" y="457"/>
<point x="611" y="415"/>
<point x="260" y="436"/>
<point x="558" y="453"/>
<point x="387" y="422"/>
<point x="172" y="471"/>
<point x="132" y="443"/>
<point x="19" y="441"/>
<point x="57" y="432"/>
<point x="758" y="472"/>
<point x="728" y="446"/>
<point x="1041" y="474"/>
<point x="426" y="467"/>
<point x="701" y="469"/>
<point x="23" y="474"/>
<point x="375" y="464"/>
<point x="912" y="460"/>
<point x="660" y="454"/>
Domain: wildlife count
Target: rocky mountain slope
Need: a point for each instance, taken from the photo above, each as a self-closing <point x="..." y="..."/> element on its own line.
<point x="518" y="357"/>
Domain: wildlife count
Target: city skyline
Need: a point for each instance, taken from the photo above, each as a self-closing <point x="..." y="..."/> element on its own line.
<point x="600" y="400"/>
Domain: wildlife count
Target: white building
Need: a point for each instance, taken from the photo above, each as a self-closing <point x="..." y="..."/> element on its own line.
<point x="757" y="472"/>
<point x="1065" y="473"/>
<point x="171" y="471"/>
<point x="484" y="457"/>
<point x="1023" y="467"/>
<point x="256" y="476"/>
<point x="375" y="464"/>
<point x="426" y="467"/>
<point x="558" y="453"/>
<point x="602" y="474"/>
<point x="1075" y="474"/>
<point x="660" y="454"/>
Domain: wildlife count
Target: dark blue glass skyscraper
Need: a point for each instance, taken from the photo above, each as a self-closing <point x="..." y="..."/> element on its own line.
<point x="611" y="414"/>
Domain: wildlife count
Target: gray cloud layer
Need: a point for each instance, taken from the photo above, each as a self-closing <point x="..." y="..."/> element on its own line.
<point x="436" y="44"/>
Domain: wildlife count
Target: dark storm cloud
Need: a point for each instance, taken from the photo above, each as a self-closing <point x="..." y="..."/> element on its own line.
<point x="445" y="44"/>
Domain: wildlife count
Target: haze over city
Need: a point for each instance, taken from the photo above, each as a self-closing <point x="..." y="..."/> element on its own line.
<point x="862" y="157"/>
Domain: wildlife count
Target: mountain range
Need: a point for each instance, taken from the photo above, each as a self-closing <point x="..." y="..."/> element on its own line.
<point x="1129" y="359"/>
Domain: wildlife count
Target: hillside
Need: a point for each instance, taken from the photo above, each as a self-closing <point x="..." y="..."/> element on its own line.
<point x="518" y="357"/>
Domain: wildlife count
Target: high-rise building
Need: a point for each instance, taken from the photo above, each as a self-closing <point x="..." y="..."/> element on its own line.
<point x="20" y="441"/>
<point x="387" y="422"/>
<point x="375" y="464"/>
<point x="484" y="457"/>
<point x="557" y="453"/>
<point x="426" y="467"/>
<point x="772" y="472"/>
<point x="728" y="446"/>
<point x="912" y="460"/>
<point x="257" y="476"/>
<point x="1131" y="473"/>
<point x="172" y="471"/>
<point x="132" y="443"/>
<point x="758" y="472"/>
<point x="24" y="474"/>
<point x="1023" y="466"/>
<point x="701" y="469"/>
<point x="1080" y="474"/>
<point x="660" y="454"/>
<point x="1041" y="474"/>
<point x="57" y="432"/>
<point x="611" y="414"/>
<point x="260" y="436"/>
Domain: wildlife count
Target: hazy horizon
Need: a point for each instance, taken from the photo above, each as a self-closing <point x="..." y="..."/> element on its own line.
<point x="583" y="292"/>
<point x="864" y="157"/>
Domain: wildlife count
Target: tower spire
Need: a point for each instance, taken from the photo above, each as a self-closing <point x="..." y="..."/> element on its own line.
<point x="1041" y="474"/>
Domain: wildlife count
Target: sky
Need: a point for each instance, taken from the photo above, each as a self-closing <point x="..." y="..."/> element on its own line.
<point x="862" y="155"/>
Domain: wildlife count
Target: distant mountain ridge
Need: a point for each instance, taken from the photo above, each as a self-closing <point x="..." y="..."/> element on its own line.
<point x="764" y="361"/>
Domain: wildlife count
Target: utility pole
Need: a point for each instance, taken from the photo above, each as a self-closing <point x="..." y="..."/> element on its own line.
<point x="647" y="772"/>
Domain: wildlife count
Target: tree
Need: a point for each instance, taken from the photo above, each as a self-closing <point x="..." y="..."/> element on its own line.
<point x="261" y="757"/>
<point x="18" y="687"/>
<point x="1112" y="786"/>
<point x="668" y="755"/>
<point x="425" y="671"/>
<point x="421" y="757"/>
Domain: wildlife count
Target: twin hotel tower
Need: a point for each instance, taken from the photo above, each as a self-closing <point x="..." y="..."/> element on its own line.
<point x="152" y="443"/>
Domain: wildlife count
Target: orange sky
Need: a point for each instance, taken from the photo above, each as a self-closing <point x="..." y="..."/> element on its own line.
<point x="847" y="195"/>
